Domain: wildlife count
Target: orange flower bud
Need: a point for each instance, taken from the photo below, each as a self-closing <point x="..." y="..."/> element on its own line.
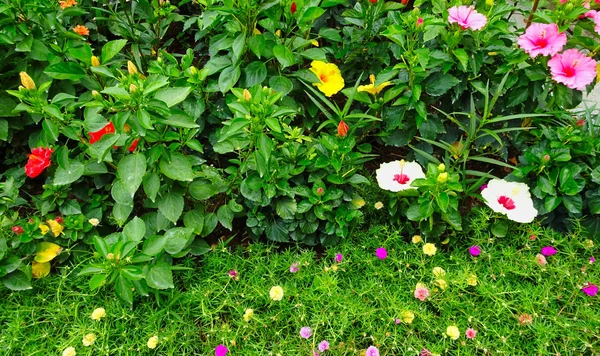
<point x="342" y="129"/>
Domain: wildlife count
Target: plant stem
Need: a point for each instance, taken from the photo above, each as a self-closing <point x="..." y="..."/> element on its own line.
<point x="533" y="10"/>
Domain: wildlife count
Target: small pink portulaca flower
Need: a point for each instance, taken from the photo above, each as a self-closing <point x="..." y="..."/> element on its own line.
<point x="233" y="274"/>
<point x="592" y="260"/>
<point x="470" y="333"/>
<point x="398" y="321"/>
<point x="548" y="251"/>
<point x="306" y="332"/>
<point x="425" y="352"/>
<point x="323" y="345"/>
<point x="421" y="293"/>
<point x="372" y="351"/>
<point x="475" y="251"/>
<point x="295" y="267"/>
<point x="466" y="17"/>
<point x="221" y="350"/>
<point x="573" y="68"/>
<point x="541" y="259"/>
<point x="590" y="289"/>
<point x="419" y="21"/>
<point x="339" y="257"/>
<point x="381" y="253"/>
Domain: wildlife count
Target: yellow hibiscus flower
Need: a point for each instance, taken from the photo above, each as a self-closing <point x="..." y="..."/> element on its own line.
<point x="371" y="88"/>
<point x="329" y="75"/>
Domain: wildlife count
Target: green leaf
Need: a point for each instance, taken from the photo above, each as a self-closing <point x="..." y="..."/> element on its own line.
<point x="131" y="171"/>
<point x="225" y="216"/>
<point x="171" y="206"/>
<point x="177" y="239"/>
<point x="17" y="280"/>
<point x="281" y="84"/>
<point x="70" y="174"/>
<point x="135" y="230"/>
<point x="311" y="14"/>
<point x="97" y="281"/>
<point x="50" y="129"/>
<point x="438" y="84"/>
<point x="317" y="54"/>
<point x="202" y="189"/>
<point x="111" y="49"/>
<point x="199" y="247"/>
<point x="284" y="55"/>
<point x="160" y="277"/>
<point x="257" y="44"/>
<point x="462" y="57"/>
<point x="286" y="207"/>
<point x="121" y="213"/>
<point x="65" y="70"/>
<point x="179" y="168"/>
<point x="173" y="96"/>
<point x="500" y="228"/>
<point x="194" y="219"/>
<point x="117" y="92"/>
<point x="256" y="73"/>
<point x="574" y="204"/>
<point x="210" y="223"/>
<point x="228" y="77"/>
<point x="151" y="184"/>
<point x="123" y="289"/>
<point x="154" y="245"/>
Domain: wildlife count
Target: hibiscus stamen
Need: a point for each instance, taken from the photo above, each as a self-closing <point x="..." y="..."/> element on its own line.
<point x="401" y="178"/>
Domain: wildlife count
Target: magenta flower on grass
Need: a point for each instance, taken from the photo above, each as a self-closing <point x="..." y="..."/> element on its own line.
<point x="221" y="350"/>
<point x="590" y="289"/>
<point x="372" y="351"/>
<point x="475" y="251"/>
<point x="339" y="257"/>
<point x="544" y="39"/>
<point x="425" y="352"/>
<point x="232" y="273"/>
<point x="548" y="251"/>
<point x="305" y="332"/>
<point x="466" y="17"/>
<point x="381" y="253"/>
<point x="573" y="68"/>
<point x="470" y="333"/>
<point x="592" y="260"/>
<point x="295" y="267"/>
<point x="398" y="321"/>
<point x="323" y="345"/>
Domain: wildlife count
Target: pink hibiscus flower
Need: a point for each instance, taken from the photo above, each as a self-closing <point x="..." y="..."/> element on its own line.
<point x="573" y="69"/>
<point x="542" y="39"/>
<point x="466" y="17"/>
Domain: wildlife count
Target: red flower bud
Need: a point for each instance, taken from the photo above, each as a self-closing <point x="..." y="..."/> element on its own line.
<point x="419" y="21"/>
<point x="108" y="129"/>
<point x="39" y="159"/>
<point x="133" y="145"/>
<point x="293" y="7"/>
<point x="580" y="122"/>
<point x="343" y="129"/>
<point x="373" y="1"/>
<point x="320" y="191"/>
<point x="17" y="229"/>
<point x="59" y="219"/>
<point x="404" y="2"/>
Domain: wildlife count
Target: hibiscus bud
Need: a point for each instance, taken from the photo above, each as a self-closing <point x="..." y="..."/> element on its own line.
<point x="489" y="3"/>
<point x="404" y="2"/>
<point x="546" y="158"/>
<point x="132" y="88"/>
<point x="320" y="191"/>
<point x="442" y="178"/>
<point x="441" y="167"/>
<point x="246" y="95"/>
<point x="580" y="122"/>
<point x="59" y="219"/>
<point x="95" y="61"/>
<point x="26" y="81"/>
<point x="96" y="95"/>
<point x="110" y="256"/>
<point x="131" y="68"/>
<point x="17" y="229"/>
<point x="293" y="7"/>
<point x="193" y="70"/>
<point x="342" y="129"/>
<point x="419" y="21"/>
<point x="373" y="1"/>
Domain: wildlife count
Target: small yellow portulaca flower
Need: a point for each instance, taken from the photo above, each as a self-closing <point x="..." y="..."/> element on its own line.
<point x="55" y="227"/>
<point x="416" y="239"/>
<point x="438" y="272"/>
<point x="44" y="228"/>
<point x="26" y="81"/>
<point x="152" y="342"/>
<point x="588" y="243"/>
<point x="276" y="293"/>
<point x="453" y="332"/>
<point x="472" y="280"/>
<point x="378" y="205"/>
<point x="94" y="221"/>
<point x="408" y="317"/>
<point x="429" y="249"/>
<point x="371" y="88"/>
<point x="248" y="314"/>
<point x="98" y="313"/>
<point x="334" y="268"/>
<point x="441" y="283"/>
<point x="69" y="351"/>
<point x="89" y="340"/>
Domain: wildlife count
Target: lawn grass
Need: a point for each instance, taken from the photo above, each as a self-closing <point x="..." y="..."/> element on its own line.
<point x="352" y="304"/>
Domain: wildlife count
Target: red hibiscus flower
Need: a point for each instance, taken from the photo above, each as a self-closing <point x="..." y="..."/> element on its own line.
<point x="39" y="159"/>
<point x="95" y="136"/>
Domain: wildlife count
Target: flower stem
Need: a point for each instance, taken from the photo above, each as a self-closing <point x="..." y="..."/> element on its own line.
<point x="533" y="10"/>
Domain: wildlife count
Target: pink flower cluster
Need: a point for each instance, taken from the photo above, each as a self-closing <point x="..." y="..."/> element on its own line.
<point x="572" y="68"/>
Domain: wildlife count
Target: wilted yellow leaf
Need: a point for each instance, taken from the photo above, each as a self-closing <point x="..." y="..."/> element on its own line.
<point x="46" y="251"/>
<point x="40" y="270"/>
<point x="457" y="149"/>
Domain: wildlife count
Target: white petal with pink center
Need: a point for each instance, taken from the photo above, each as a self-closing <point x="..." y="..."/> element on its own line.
<point x="398" y="175"/>
<point x="511" y="199"/>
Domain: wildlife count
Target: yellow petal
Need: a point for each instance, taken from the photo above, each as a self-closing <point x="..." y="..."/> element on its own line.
<point x="46" y="251"/>
<point x="44" y="228"/>
<point x="40" y="270"/>
<point x="55" y="227"/>
<point x="315" y="43"/>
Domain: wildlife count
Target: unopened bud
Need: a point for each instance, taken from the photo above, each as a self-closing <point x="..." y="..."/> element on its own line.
<point x="546" y="158"/>
<point x="126" y="128"/>
<point x="489" y="3"/>
<point x="110" y="256"/>
<point x="320" y="190"/>
<point x="246" y="95"/>
<point x="95" y="61"/>
<point x="131" y="68"/>
<point x="441" y="167"/>
<point x="580" y="122"/>
<point x="96" y="95"/>
<point x="343" y="129"/>
<point x="442" y="178"/>
<point x="193" y="70"/>
<point x="26" y="81"/>
<point x="132" y="88"/>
